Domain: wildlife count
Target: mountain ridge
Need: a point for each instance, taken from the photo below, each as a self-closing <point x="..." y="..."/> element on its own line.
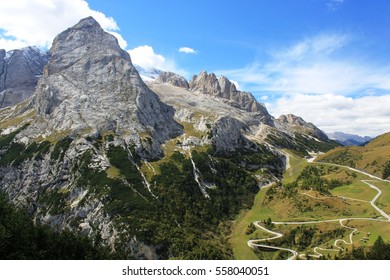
<point x="347" y="139"/>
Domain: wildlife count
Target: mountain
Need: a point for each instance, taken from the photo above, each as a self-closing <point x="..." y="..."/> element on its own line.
<point x="226" y="117"/>
<point x="346" y="139"/>
<point x="223" y="88"/>
<point x="148" y="74"/>
<point x="153" y="168"/>
<point x="373" y="158"/>
<point x="173" y="79"/>
<point x="19" y="74"/>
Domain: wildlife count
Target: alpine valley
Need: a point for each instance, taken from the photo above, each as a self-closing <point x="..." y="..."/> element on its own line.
<point x="160" y="167"/>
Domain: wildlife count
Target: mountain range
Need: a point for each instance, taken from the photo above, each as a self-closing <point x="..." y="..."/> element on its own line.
<point x="347" y="139"/>
<point x="157" y="167"/>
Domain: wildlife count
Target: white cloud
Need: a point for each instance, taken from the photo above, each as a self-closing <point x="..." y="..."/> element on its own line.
<point x="37" y="22"/>
<point x="320" y="45"/>
<point x="187" y="50"/>
<point x="313" y="66"/>
<point x="310" y="66"/>
<point x="317" y="79"/>
<point x="364" y="116"/>
<point x="146" y="57"/>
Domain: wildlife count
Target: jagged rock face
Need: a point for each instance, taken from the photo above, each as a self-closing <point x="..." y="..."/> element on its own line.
<point x="90" y="84"/>
<point x="292" y="123"/>
<point x="228" y="136"/>
<point x="347" y="139"/>
<point x="173" y="79"/>
<point x="223" y="88"/>
<point x="19" y="74"/>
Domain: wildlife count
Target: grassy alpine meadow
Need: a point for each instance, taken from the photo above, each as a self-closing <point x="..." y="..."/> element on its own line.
<point x="239" y="238"/>
<point x="320" y="209"/>
<point x="384" y="200"/>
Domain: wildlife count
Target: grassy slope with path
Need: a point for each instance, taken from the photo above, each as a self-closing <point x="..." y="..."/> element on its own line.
<point x="258" y="212"/>
<point x="370" y="158"/>
<point x="356" y="190"/>
<point x="239" y="238"/>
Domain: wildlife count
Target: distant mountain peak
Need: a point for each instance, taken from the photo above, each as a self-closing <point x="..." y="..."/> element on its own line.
<point x="347" y="139"/>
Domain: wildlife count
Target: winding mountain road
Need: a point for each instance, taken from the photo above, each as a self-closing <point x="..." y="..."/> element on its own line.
<point x="257" y="242"/>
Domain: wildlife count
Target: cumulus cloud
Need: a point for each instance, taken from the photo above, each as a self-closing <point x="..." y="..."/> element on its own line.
<point x="37" y="22"/>
<point x="330" y="112"/>
<point x="187" y="50"/>
<point x="317" y="79"/>
<point x="147" y="58"/>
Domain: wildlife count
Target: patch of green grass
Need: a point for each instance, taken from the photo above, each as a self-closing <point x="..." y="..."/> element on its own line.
<point x="297" y="164"/>
<point x="239" y="238"/>
<point x="18" y="120"/>
<point x="357" y="190"/>
<point x="384" y="200"/>
<point x="371" y="230"/>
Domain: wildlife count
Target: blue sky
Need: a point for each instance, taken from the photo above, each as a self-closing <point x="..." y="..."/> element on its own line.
<point x="325" y="60"/>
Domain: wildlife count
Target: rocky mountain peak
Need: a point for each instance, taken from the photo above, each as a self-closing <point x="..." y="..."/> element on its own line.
<point x="206" y="83"/>
<point x="82" y="40"/>
<point x="225" y="89"/>
<point x="173" y="79"/>
<point x="291" y="119"/>
<point x="90" y="85"/>
<point x="291" y="123"/>
<point x="226" y="86"/>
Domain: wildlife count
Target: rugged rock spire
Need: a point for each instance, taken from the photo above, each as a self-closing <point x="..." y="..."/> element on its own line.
<point x="291" y="123"/>
<point x="90" y="85"/>
<point x="225" y="89"/>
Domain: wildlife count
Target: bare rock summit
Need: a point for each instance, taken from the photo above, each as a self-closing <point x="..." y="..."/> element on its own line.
<point x="173" y="79"/>
<point x="225" y="89"/>
<point x="90" y="85"/>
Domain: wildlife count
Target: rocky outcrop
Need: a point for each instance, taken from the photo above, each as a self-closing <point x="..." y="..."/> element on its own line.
<point x="173" y="79"/>
<point x="290" y="123"/>
<point x="19" y="74"/>
<point x="90" y="85"/>
<point x="228" y="136"/>
<point x="223" y="88"/>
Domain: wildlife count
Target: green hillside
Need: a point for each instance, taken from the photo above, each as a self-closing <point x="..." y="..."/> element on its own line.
<point x="373" y="158"/>
<point x="319" y="211"/>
